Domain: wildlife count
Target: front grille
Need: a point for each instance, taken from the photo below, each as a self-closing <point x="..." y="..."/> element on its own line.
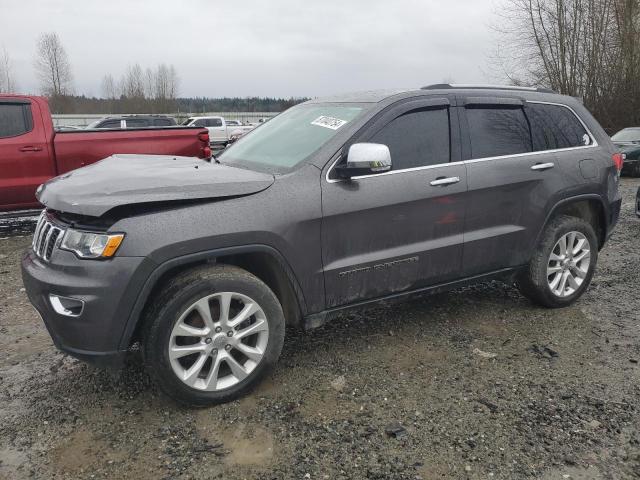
<point x="45" y="237"/>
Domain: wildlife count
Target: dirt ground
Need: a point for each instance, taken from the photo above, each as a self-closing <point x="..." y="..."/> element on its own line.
<point x="481" y="383"/>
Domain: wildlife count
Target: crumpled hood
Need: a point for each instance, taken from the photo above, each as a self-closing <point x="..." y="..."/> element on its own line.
<point x="134" y="179"/>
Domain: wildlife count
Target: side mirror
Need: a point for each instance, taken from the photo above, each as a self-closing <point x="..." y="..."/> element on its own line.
<point x="365" y="159"/>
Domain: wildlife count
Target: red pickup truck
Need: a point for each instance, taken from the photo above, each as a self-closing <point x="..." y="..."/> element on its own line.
<point x="31" y="151"/>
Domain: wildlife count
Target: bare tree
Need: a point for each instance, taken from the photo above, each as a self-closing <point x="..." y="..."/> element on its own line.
<point x="133" y="82"/>
<point x="584" y="48"/>
<point x="162" y="82"/>
<point x="109" y="89"/>
<point x="7" y="83"/>
<point x="173" y="83"/>
<point x="149" y="83"/>
<point x="148" y="90"/>
<point x="52" y="66"/>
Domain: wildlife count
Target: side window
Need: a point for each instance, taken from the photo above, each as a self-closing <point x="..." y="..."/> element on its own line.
<point x="417" y="138"/>
<point x="555" y="126"/>
<point x="162" y="122"/>
<point x="214" y="122"/>
<point x="15" y="119"/>
<point x="496" y="131"/>
<point x="109" y="124"/>
<point x="137" y="122"/>
<point x="199" y="123"/>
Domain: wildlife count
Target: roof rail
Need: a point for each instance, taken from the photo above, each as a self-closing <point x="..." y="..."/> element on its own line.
<point x="441" y="86"/>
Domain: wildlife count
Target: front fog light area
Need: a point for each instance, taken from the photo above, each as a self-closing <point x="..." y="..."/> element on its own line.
<point x="91" y="245"/>
<point x="70" y="307"/>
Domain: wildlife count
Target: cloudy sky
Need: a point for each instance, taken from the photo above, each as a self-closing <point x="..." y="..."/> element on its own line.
<point x="259" y="47"/>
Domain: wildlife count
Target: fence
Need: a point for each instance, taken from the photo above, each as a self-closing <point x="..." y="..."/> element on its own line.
<point x="82" y="120"/>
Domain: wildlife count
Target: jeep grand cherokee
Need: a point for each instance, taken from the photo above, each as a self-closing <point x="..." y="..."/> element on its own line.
<point x="331" y="205"/>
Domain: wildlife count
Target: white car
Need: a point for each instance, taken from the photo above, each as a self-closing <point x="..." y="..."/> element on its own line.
<point x="221" y="131"/>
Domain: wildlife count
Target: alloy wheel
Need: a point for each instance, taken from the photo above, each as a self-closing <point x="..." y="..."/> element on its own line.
<point x="568" y="264"/>
<point x="218" y="341"/>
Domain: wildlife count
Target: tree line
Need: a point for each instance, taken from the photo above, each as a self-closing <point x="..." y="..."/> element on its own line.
<point x="588" y="49"/>
<point x="81" y="104"/>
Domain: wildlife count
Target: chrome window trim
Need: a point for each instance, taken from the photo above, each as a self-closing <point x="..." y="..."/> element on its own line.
<point x="594" y="144"/>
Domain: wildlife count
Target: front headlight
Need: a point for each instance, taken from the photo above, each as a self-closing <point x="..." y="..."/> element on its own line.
<point x="91" y="245"/>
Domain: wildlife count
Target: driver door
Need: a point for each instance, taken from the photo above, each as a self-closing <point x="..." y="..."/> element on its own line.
<point x="400" y="230"/>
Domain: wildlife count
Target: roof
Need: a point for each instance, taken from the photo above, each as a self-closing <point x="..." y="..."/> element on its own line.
<point x="377" y="96"/>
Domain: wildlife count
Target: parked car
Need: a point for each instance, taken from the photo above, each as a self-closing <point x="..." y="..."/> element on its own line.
<point x="332" y="205"/>
<point x="221" y="131"/>
<point x="32" y="152"/>
<point x="628" y="141"/>
<point x="133" y="121"/>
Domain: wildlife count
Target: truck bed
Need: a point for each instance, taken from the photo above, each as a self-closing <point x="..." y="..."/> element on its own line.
<point x="93" y="145"/>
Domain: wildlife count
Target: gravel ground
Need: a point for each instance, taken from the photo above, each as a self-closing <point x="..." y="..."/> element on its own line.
<point x="474" y="383"/>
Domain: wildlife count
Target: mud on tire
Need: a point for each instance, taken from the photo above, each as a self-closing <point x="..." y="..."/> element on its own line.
<point x="534" y="281"/>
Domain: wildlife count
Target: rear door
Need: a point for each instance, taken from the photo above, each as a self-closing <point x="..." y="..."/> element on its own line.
<point x="25" y="160"/>
<point x="403" y="229"/>
<point x="509" y="184"/>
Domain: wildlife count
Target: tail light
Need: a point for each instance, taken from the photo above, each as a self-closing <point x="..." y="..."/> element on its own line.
<point x="204" y="137"/>
<point x="618" y="160"/>
<point x="206" y="152"/>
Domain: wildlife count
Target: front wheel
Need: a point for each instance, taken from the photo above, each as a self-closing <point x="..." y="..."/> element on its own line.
<point x="212" y="334"/>
<point x="563" y="263"/>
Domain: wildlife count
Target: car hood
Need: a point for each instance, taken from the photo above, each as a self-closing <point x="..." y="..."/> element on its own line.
<point x="135" y="179"/>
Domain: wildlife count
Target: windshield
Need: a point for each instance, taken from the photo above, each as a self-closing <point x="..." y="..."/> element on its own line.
<point x="187" y="121"/>
<point x="627" y="135"/>
<point x="282" y="143"/>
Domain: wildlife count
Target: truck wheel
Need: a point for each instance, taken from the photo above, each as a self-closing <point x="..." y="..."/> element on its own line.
<point x="212" y="334"/>
<point x="562" y="264"/>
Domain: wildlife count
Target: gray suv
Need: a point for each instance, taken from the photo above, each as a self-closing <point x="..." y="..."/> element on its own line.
<point x="331" y="205"/>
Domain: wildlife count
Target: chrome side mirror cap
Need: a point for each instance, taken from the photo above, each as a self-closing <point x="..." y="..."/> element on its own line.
<point x="365" y="159"/>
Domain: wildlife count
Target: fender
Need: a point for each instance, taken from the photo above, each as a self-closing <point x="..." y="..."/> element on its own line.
<point x="568" y="200"/>
<point x="161" y="269"/>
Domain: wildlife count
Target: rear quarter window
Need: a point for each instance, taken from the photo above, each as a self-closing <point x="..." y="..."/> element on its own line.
<point x="555" y="126"/>
<point x="15" y="119"/>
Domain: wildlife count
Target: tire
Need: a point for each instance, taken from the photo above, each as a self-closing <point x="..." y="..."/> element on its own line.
<point x="635" y="169"/>
<point x="536" y="283"/>
<point x="177" y="309"/>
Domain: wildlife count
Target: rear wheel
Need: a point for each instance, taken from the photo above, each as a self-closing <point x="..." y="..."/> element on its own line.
<point x="212" y="335"/>
<point x="563" y="263"/>
<point x="635" y="169"/>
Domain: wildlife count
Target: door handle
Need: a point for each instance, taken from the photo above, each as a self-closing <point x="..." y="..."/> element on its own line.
<point x="543" y="166"/>
<point x="31" y="149"/>
<point x="444" y="181"/>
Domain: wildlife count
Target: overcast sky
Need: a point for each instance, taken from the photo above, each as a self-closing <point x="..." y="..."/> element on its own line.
<point x="258" y="47"/>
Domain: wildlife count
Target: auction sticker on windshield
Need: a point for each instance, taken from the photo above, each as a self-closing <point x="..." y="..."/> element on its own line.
<point x="328" y="122"/>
